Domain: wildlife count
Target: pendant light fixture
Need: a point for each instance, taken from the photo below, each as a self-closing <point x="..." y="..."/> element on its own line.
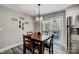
<point x="39" y="18"/>
<point x="39" y="11"/>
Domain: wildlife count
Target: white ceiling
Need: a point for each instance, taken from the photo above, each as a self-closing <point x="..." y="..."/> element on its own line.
<point x="32" y="9"/>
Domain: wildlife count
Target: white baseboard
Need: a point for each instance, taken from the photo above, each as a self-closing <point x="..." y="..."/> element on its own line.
<point x="9" y="47"/>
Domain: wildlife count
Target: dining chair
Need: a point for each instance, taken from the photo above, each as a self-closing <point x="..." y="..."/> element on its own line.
<point x="29" y="45"/>
<point x="48" y="44"/>
<point x="39" y="33"/>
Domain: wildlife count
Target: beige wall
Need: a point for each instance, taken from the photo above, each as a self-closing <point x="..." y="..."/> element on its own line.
<point x="10" y="33"/>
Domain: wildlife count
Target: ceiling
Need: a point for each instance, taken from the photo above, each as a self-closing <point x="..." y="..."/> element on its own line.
<point x="32" y="9"/>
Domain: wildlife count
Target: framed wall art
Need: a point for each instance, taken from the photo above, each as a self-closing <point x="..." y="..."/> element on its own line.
<point x="22" y="26"/>
<point x="19" y="24"/>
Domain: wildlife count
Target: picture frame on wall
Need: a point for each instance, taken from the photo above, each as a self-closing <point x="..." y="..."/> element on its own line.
<point x="22" y="26"/>
<point x="19" y="24"/>
<point x="26" y="22"/>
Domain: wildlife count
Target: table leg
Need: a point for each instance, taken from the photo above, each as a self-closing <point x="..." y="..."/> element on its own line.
<point x="41" y="51"/>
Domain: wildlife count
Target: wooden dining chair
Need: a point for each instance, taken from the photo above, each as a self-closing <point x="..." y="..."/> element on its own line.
<point x="29" y="44"/>
<point x="29" y="33"/>
<point x="39" y="33"/>
<point x="49" y="45"/>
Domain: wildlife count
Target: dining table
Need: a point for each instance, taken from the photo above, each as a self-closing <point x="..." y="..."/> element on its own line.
<point x="39" y="39"/>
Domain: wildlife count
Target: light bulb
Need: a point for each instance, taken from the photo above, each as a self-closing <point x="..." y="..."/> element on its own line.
<point x="37" y="18"/>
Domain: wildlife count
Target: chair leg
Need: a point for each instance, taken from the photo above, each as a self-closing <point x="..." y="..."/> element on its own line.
<point x="32" y="51"/>
<point x="39" y="50"/>
<point x="24" y="49"/>
<point x="52" y="48"/>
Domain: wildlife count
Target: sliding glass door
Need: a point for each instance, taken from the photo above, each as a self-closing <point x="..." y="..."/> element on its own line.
<point x="54" y="26"/>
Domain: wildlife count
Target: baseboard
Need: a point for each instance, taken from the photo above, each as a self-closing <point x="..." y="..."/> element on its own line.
<point x="9" y="47"/>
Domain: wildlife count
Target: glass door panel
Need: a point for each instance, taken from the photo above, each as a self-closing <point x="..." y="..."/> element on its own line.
<point x="55" y="27"/>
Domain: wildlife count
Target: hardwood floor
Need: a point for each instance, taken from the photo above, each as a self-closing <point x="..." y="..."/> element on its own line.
<point x="15" y="50"/>
<point x="19" y="50"/>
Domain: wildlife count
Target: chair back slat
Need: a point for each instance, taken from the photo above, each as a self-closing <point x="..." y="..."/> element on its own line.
<point x="27" y="43"/>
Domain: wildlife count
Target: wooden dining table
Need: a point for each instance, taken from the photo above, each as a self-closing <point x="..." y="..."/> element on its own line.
<point x="40" y="39"/>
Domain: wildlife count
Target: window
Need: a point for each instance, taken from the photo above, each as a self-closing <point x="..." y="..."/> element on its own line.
<point x="55" y="26"/>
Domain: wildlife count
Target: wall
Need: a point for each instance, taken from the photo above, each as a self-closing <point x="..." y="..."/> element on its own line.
<point x="72" y="11"/>
<point x="37" y="26"/>
<point x="10" y="33"/>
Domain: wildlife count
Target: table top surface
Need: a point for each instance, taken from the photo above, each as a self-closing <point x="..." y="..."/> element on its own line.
<point x="39" y="37"/>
